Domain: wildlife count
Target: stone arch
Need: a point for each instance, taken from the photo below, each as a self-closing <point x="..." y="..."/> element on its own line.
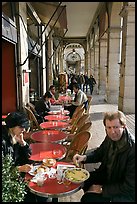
<point x="74" y="63"/>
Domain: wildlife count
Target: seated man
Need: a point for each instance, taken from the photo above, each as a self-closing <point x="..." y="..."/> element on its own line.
<point x="80" y="98"/>
<point x="43" y="105"/>
<point x="52" y="91"/>
<point x="114" y="180"/>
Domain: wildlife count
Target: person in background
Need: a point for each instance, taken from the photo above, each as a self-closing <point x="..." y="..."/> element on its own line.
<point x="43" y="105"/>
<point x="80" y="98"/>
<point x="73" y="81"/>
<point x="86" y="83"/>
<point x="52" y="91"/>
<point x="114" y="180"/>
<point x="82" y="82"/>
<point x="13" y="143"/>
<point x="92" y="83"/>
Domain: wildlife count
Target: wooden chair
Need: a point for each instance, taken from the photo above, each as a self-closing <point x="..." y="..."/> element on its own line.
<point x="77" y="145"/>
<point x="72" y="128"/>
<point x="33" y="121"/>
<point x="89" y="103"/>
<point x="81" y="120"/>
<point x="76" y="113"/>
<point x="32" y="107"/>
<point x="83" y="127"/>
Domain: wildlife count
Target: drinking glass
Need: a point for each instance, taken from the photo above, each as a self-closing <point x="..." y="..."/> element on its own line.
<point x="56" y="152"/>
<point x="59" y="175"/>
<point x="65" y="181"/>
<point x="40" y="180"/>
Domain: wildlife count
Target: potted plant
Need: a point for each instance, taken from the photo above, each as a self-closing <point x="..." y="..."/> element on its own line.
<point x="13" y="185"/>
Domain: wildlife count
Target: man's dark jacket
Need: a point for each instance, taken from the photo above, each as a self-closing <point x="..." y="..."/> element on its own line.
<point x="121" y="184"/>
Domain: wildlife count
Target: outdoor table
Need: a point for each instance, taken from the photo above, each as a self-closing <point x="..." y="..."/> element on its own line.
<point x="57" y="117"/>
<point x="58" y="112"/>
<point x="49" y="136"/>
<point x="3" y="117"/>
<point x="54" y="125"/>
<point x="52" y="188"/>
<point x="64" y="98"/>
<point x="45" y="150"/>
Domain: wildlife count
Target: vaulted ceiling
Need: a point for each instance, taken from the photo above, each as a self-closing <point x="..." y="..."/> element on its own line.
<point x="79" y="17"/>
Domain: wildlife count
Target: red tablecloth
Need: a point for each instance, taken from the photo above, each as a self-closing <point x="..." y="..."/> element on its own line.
<point x="58" y="112"/>
<point x="52" y="188"/>
<point x="4" y="116"/>
<point x="49" y="136"/>
<point x="56" y="117"/>
<point x="54" y="125"/>
<point x="41" y="151"/>
<point x="64" y="98"/>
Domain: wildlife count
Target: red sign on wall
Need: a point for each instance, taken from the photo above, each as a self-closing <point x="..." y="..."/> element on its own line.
<point x="26" y="78"/>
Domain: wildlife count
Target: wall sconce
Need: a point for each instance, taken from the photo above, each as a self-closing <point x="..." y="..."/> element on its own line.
<point x="26" y="70"/>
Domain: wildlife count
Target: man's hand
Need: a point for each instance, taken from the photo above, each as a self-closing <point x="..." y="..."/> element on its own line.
<point x="77" y="159"/>
<point x="95" y="189"/>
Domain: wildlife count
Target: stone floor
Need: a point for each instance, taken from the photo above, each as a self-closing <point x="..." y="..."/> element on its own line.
<point x="98" y="107"/>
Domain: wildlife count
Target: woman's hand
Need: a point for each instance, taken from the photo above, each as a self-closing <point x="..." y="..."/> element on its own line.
<point x="77" y="159"/>
<point x="25" y="168"/>
<point x="20" y="139"/>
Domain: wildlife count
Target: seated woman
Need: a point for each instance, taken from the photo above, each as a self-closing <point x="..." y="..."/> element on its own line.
<point x="14" y="144"/>
<point x="80" y="98"/>
<point x="43" y="105"/>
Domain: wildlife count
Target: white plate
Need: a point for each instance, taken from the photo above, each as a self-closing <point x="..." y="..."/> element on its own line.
<point x="76" y="175"/>
<point x="33" y="172"/>
<point x="36" y="177"/>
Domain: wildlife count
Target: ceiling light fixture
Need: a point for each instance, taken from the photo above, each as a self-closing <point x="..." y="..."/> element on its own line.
<point x="74" y="52"/>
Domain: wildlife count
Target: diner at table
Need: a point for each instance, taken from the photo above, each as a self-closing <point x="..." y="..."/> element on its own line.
<point x="43" y="105"/>
<point x="15" y="146"/>
<point x="80" y="98"/>
<point x="53" y="99"/>
<point x="62" y="98"/>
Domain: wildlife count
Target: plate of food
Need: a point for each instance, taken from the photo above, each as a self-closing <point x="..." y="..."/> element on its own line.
<point x="38" y="169"/>
<point x="49" y="162"/>
<point x="76" y="175"/>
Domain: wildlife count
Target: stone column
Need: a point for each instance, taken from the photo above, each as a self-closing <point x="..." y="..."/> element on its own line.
<point x="50" y="61"/>
<point x="127" y="69"/>
<point x="44" y="60"/>
<point x="103" y="64"/>
<point x="92" y="61"/>
<point x="86" y="62"/>
<point x="23" y="52"/>
<point x="96" y="68"/>
<point x="113" y="66"/>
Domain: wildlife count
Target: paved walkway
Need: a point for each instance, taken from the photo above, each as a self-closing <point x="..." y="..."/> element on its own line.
<point x="97" y="109"/>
